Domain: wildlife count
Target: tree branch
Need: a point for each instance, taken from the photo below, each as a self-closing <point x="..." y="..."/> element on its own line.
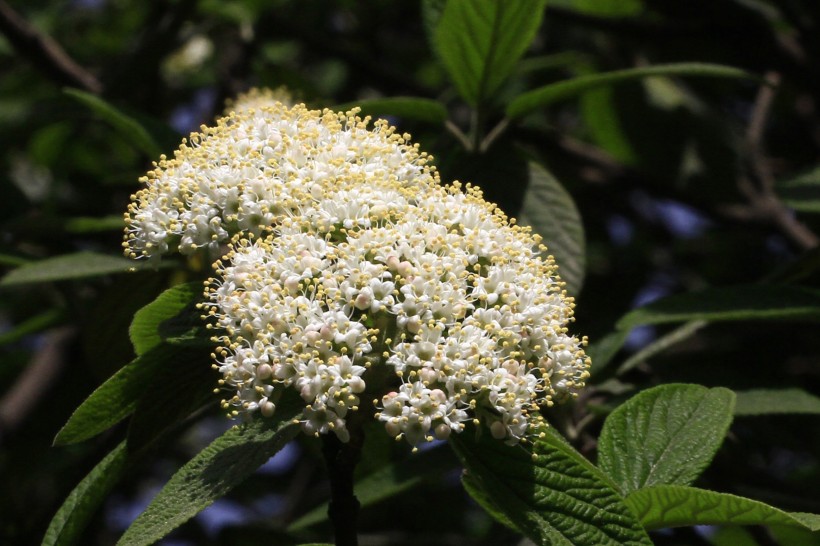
<point x="341" y="459"/>
<point x="763" y="200"/>
<point x="45" y="53"/>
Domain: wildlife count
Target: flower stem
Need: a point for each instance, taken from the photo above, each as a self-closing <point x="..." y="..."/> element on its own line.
<point x="341" y="459"/>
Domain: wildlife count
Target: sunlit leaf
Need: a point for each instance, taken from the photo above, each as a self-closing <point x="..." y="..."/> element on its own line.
<point x="163" y="318"/>
<point x="666" y="435"/>
<point x="479" y="42"/>
<point x="676" y="506"/>
<point x="552" y="494"/>
<point x="217" y="469"/>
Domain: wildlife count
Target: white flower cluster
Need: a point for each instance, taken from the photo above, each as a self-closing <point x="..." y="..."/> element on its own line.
<point x="256" y="167"/>
<point x="356" y="275"/>
<point x="258" y="98"/>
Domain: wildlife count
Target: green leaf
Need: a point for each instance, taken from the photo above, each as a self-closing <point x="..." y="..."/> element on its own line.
<point x="776" y="401"/>
<point x="663" y="506"/>
<point x="602" y="115"/>
<point x="733" y="536"/>
<point x="678" y="335"/>
<point x="127" y="126"/>
<point x="793" y="536"/>
<point x="68" y="266"/>
<point x="217" y="469"/>
<point x="35" y="324"/>
<point x="415" y="108"/>
<point x="164" y="404"/>
<point x="555" y="92"/>
<point x="753" y="302"/>
<point x="387" y="482"/>
<point x="14" y="261"/>
<point x="603" y="8"/>
<point x="602" y="351"/>
<point x="479" y="42"/>
<point x="553" y="495"/>
<point x="665" y="435"/>
<point x="473" y="487"/>
<point x="552" y="213"/>
<point x="84" y="224"/>
<point x="117" y="398"/>
<point x="70" y="521"/>
<point x="802" y="193"/>
<point x="164" y="319"/>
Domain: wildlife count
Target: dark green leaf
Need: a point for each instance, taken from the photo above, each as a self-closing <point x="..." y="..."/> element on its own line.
<point x="552" y="213"/>
<point x="552" y="494"/>
<point x="733" y="536"/>
<point x="776" y="401"/>
<point x="35" y="324"/>
<point x="164" y="403"/>
<point x="679" y="334"/>
<point x="666" y="435"/>
<point x="164" y="319"/>
<point x="431" y="11"/>
<point x="602" y="117"/>
<point x="802" y="192"/>
<point x="14" y="261"/>
<point x="69" y="522"/>
<point x="217" y="469"/>
<point x="391" y="480"/>
<point x="485" y="500"/>
<point x="555" y="92"/>
<point x="755" y="302"/>
<point x="127" y="126"/>
<point x="676" y="506"/>
<point x="415" y="108"/>
<point x="603" y="8"/>
<point x="602" y="351"/>
<point x="117" y="398"/>
<point x="84" y="224"/>
<point x="791" y="536"/>
<point x="68" y="266"/>
<point x="479" y="42"/>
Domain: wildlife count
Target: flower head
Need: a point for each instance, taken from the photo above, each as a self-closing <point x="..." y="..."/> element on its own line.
<point x="349" y="263"/>
<point x="258" y="98"/>
<point x="256" y="167"/>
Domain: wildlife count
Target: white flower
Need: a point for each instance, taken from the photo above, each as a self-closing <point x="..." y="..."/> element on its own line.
<point x="348" y="262"/>
<point x="260" y="164"/>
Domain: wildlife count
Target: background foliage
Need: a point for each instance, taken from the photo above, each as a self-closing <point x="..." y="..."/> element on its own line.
<point x="693" y="181"/>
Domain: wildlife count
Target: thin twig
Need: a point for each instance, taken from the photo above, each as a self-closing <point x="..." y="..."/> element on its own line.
<point x="460" y="136"/>
<point x="661" y="344"/>
<point x="494" y="133"/>
<point x="45" y="53"/>
<point x="40" y="374"/>
<point x="763" y="200"/>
